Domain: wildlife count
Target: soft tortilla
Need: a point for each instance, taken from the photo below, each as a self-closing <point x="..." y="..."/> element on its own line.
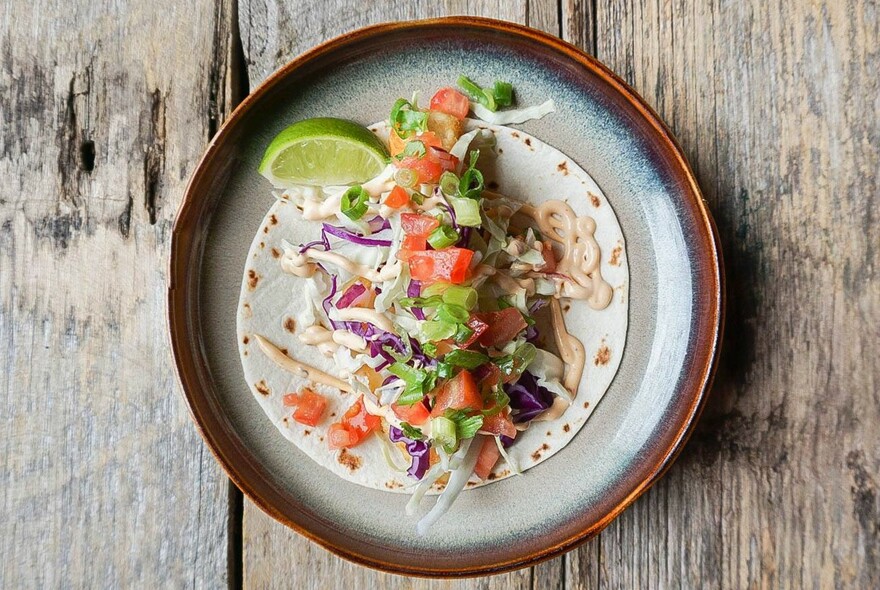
<point x="523" y="168"/>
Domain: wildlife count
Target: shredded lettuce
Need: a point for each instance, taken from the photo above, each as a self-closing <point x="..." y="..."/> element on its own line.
<point x="513" y="116"/>
<point x="548" y="370"/>
<point x="458" y="479"/>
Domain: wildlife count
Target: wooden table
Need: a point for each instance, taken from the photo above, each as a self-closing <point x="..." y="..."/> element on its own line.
<point x="105" y="107"/>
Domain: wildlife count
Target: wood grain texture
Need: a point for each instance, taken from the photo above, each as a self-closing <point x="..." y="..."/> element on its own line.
<point x="775" y="105"/>
<point x="105" y="108"/>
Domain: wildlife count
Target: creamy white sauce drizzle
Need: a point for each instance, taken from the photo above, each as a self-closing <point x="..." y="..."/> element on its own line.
<point x="581" y="253"/>
<point x="363" y="314"/>
<point x="570" y="349"/>
<point x="297" y="368"/>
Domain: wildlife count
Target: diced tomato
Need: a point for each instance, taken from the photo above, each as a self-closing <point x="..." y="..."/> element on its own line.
<point x="503" y="327"/>
<point x="430" y="166"/>
<point x="450" y="265"/>
<point x="309" y="406"/>
<point x="397" y="198"/>
<point x="459" y="393"/>
<point x="450" y="101"/>
<point x="354" y="427"/>
<point x="411" y="245"/>
<point x="487" y="458"/>
<point x="499" y="424"/>
<point x="416" y="414"/>
<point x="478" y="326"/>
<point x="549" y="258"/>
<point x="418" y="225"/>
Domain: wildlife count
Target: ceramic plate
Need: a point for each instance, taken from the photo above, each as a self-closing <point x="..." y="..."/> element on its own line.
<point x="676" y="298"/>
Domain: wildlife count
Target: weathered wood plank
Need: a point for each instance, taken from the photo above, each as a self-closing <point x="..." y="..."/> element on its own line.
<point x="106" y="107"/>
<point x="775" y="106"/>
<point x="272" y="34"/>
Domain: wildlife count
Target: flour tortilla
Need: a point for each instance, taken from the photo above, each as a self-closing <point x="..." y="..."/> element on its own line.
<point x="523" y="168"/>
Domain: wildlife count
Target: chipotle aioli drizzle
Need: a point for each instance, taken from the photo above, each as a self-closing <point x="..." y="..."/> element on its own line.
<point x="570" y="349"/>
<point x="297" y="368"/>
<point x="581" y="254"/>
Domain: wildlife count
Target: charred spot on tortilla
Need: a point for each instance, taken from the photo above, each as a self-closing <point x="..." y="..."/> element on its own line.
<point x="603" y="355"/>
<point x="248" y="312"/>
<point x="307" y="432"/>
<point x="514" y="134"/>
<point x="492" y="185"/>
<point x="290" y="325"/>
<point x="594" y="199"/>
<point x="500" y="150"/>
<point x="615" y="255"/>
<point x="253" y="279"/>
<point x="586" y="405"/>
<point x="284" y="350"/>
<point x="566" y="427"/>
<point x="529" y="143"/>
<point x="262" y="245"/>
<point x="393" y="485"/>
<point x="537" y="454"/>
<point x="262" y="387"/>
<point x="284" y="419"/>
<point x="353" y="462"/>
<point x="276" y="253"/>
<point x="471" y="484"/>
<point x="563" y="167"/>
<point x="266" y="229"/>
<point x="245" y="340"/>
<point x="566" y="307"/>
<point x="273" y="220"/>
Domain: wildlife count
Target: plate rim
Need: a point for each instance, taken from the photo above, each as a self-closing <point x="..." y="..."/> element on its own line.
<point x="187" y="359"/>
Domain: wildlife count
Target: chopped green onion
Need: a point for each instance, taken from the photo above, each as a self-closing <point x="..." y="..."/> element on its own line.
<point x="476" y="93"/>
<point x="417" y="197"/>
<point x="466" y="297"/>
<point x="503" y="93"/>
<point x="443" y="433"/>
<point x="449" y="313"/>
<point x="442" y="237"/>
<point x="462" y="333"/>
<point x="467" y="211"/>
<point x="468" y="359"/>
<point x="435" y="289"/>
<point x="471" y="184"/>
<point x="404" y="118"/>
<point x="465" y="426"/>
<point x="504" y="303"/>
<point x="414" y="148"/>
<point x="445" y="370"/>
<point x="354" y="202"/>
<point x="436" y="331"/>
<point x="432" y="301"/>
<point x="449" y="183"/>
<point x="406" y="177"/>
<point x="410" y="431"/>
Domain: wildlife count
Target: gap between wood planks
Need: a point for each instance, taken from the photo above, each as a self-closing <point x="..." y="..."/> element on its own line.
<point x="229" y="85"/>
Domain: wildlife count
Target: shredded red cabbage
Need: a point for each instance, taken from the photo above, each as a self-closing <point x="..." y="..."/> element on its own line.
<point x="417" y="449"/>
<point x="378" y="223"/>
<point x="506" y="441"/>
<point x="414" y="290"/>
<point x="354" y="238"/>
<point x="532" y="334"/>
<point x="351" y="295"/>
<point x="527" y="398"/>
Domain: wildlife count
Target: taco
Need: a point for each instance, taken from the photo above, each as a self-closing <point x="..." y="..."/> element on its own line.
<point x="445" y="325"/>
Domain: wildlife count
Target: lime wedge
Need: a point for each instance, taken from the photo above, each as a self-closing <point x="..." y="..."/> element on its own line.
<point x="322" y="152"/>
